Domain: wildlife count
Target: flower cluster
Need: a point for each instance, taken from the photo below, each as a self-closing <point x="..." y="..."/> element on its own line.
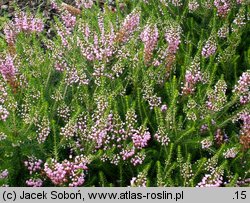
<point x="204" y="128"/>
<point x="128" y="27"/>
<point x="74" y="76"/>
<point x="223" y="7"/>
<point x="191" y="110"/>
<point x="4" y="113"/>
<point x="43" y="130"/>
<point x="140" y="138"/>
<point x="64" y="33"/>
<point x="85" y="29"/>
<point x="164" y="108"/>
<point x="139" y="181"/>
<point x="187" y="171"/>
<point x="230" y="153"/>
<point x="209" y="48"/>
<point x="33" y="164"/>
<point x="95" y="47"/>
<point x="207" y="4"/>
<point x="68" y="19"/>
<point x="3" y="92"/>
<point x="32" y="182"/>
<point x="223" y="31"/>
<point x="211" y="180"/>
<point x="243" y="182"/>
<point x="84" y="3"/>
<point x="35" y="168"/>
<point x="149" y="36"/>
<point x="28" y="23"/>
<point x="100" y="72"/>
<point x="117" y="69"/>
<point x="192" y="77"/>
<point x="217" y="97"/>
<point x="245" y="118"/>
<point x="54" y="4"/>
<point x="60" y="63"/>
<point x="174" y="2"/>
<point x="22" y="23"/>
<point x="138" y="158"/>
<point x="100" y="131"/>
<point x="161" y="136"/>
<point x="150" y="97"/>
<point x="220" y="137"/>
<point x="69" y="130"/>
<point x="239" y="21"/>
<point x="4" y="174"/>
<point x="193" y="5"/>
<point x="67" y="172"/>
<point x="173" y="37"/>
<point x="7" y="68"/>
<point x="111" y="134"/>
<point x="206" y="143"/>
<point x="64" y="112"/>
<point x="243" y="88"/>
<point x="4" y="105"/>
<point x="245" y="128"/>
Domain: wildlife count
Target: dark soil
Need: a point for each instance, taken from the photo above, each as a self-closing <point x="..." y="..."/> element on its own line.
<point x="9" y="6"/>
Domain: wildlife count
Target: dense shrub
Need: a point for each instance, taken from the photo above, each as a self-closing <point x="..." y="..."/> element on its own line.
<point x="140" y="93"/>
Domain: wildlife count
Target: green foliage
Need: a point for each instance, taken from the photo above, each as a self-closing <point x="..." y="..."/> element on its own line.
<point x="189" y="138"/>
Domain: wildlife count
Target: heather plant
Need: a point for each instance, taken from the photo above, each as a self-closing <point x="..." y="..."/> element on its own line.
<point x="134" y="93"/>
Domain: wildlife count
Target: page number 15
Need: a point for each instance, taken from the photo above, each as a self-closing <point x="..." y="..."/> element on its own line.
<point x="240" y="195"/>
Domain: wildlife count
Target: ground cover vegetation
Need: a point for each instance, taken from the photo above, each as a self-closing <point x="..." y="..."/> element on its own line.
<point x="125" y="93"/>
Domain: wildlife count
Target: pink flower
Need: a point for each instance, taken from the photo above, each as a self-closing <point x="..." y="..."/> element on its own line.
<point x="245" y="118"/>
<point x="223" y="7"/>
<point x="54" y="5"/>
<point x="70" y="172"/>
<point x="161" y="136"/>
<point x="193" y="5"/>
<point x="138" y="159"/>
<point x="25" y="23"/>
<point x="149" y="36"/>
<point x="34" y="182"/>
<point x="211" y="180"/>
<point x="129" y="25"/>
<point x="84" y="3"/>
<point x="230" y="153"/>
<point x="173" y="37"/>
<point x="192" y="77"/>
<point x="127" y="153"/>
<point x="164" y="107"/>
<point x="242" y="89"/>
<point x="3" y="113"/>
<point x="7" y="68"/>
<point x="4" y="174"/>
<point x="10" y="33"/>
<point x="217" y="97"/>
<point x="33" y="164"/>
<point x="209" y="48"/>
<point x="140" y="138"/>
<point x="22" y="23"/>
<point x="68" y="20"/>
